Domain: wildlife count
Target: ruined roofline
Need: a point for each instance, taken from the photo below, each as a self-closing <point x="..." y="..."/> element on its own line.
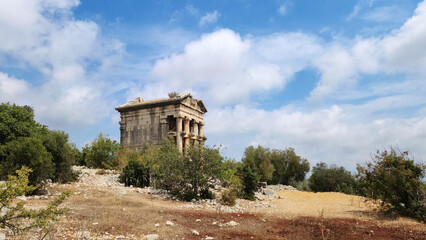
<point x="139" y="103"/>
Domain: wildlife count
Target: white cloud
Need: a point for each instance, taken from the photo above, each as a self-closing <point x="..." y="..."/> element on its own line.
<point x="282" y="10"/>
<point x="386" y="14"/>
<point x="228" y="68"/>
<point x="209" y="18"/>
<point x="45" y="36"/>
<point x="401" y="51"/>
<point x="358" y="6"/>
<point x="334" y="134"/>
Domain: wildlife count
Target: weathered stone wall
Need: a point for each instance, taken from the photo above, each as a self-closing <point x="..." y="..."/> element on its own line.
<point x="150" y="124"/>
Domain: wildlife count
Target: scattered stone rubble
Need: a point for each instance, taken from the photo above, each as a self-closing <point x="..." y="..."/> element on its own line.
<point x="90" y="178"/>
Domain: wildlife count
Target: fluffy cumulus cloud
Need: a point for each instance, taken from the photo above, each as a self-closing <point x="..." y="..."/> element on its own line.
<point x="334" y="134"/>
<point x="401" y="51"/>
<point x="46" y="37"/>
<point x="228" y="67"/>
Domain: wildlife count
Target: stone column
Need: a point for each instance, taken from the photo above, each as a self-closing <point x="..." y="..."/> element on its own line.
<point x="186" y="139"/>
<point x="178" y="132"/>
<point x="200" y="129"/>
<point x="196" y="132"/>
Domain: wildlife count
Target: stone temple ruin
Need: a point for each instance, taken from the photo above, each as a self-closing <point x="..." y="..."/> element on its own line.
<point x="148" y="122"/>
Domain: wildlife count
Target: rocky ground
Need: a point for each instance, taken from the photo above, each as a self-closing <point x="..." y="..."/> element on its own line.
<point x="102" y="208"/>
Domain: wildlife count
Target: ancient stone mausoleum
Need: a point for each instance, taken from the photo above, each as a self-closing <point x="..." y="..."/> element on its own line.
<point x="147" y="122"/>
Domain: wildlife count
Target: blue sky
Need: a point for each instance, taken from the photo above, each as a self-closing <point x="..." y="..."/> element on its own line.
<point x="336" y="80"/>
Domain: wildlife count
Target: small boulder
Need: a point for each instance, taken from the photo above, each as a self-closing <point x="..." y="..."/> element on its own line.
<point x="231" y="224"/>
<point x="151" y="236"/>
<point x="269" y="192"/>
<point x="169" y="223"/>
<point x="195" y="232"/>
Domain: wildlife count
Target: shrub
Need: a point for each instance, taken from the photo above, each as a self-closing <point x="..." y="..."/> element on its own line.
<point x="102" y="153"/>
<point x="20" y="138"/>
<point x="136" y="172"/>
<point x="259" y="160"/>
<point x="15" y="122"/>
<point x="18" y="218"/>
<point x="249" y="179"/>
<point x="290" y="169"/>
<point x="64" y="155"/>
<point x="229" y="197"/>
<point x="395" y="179"/>
<point x="331" y="179"/>
<point x="28" y="152"/>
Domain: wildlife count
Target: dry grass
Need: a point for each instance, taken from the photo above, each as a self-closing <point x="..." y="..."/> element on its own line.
<point x="102" y="211"/>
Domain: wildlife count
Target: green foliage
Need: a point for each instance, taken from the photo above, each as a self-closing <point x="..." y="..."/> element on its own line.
<point x="229" y="197"/>
<point x="250" y="181"/>
<point x="187" y="176"/>
<point x="28" y="152"/>
<point x="18" y="218"/>
<point x="24" y="142"/>
<point x="137" y="170"/>
<point x="290" y="169"/>
<point x="102" y="153"/>
<point x="201" y="164"/>
<point x="395" y="179"/>
<point x="331" y="179"/>
<point x="64" y="155"/>
<point x="229" y="174"/>
<point x="15" y="122"/>
<point x="259" y="159"/>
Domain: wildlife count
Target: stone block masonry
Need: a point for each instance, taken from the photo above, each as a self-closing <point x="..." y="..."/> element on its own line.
<point x="149" y="122"/>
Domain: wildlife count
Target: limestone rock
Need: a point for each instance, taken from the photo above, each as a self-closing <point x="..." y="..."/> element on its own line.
<point x="169" y="223"/>
<point x="269" y="192"/>
<point x="195" y="232"/>
<point x="151" y="236"/>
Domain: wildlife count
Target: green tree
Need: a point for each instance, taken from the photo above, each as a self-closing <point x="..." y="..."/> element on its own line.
<point x="395" y="179"/>
<point x="28" y="152"/>
<point x="259" y="159"/>
<point x="15" y="122"/>
<point x="331" y="179"/>
<point x="137" y="170"/>
<point x="290" y="169"/>
<point x="64" y="155"/>
<point x="14" y="214"/>
<point x="202" y="164"/>
<point x="102" y="153"/>
<point x="250" y="180"/>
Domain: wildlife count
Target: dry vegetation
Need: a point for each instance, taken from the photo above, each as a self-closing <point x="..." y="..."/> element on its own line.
<point x="100" y="210"/>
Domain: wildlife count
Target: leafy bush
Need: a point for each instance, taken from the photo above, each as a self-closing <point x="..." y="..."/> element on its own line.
<point x="395" y="179"/>
<point x="259" y="160"/>
<point x="18" y="218"/>
<point x="229" y="197"/>
<point x="249" y="179"/>
<point x="102" y="153"/>
<point x="290" y="169"/>
<point x="28" y="152"/>
<point x="24" y="142"/>
<point x="136" y="172"/>
<point x="331" y="179"/>
<point x="15" y="122"/>
<point x="64" y="155"/>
